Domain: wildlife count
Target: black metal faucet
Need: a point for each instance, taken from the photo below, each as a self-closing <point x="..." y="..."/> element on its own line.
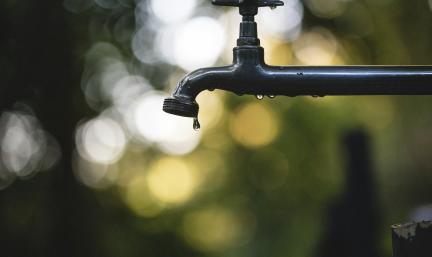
<point x="250" y="75"/>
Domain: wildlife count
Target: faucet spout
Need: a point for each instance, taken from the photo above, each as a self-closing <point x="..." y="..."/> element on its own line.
<point x="183" y="102"/>
<point x="236" y="78"/>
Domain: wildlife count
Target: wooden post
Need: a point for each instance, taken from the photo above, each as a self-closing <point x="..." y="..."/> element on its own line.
<point x="412" y="239"/>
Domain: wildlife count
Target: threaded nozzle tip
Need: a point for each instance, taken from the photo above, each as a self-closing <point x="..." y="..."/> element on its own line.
<point x="181" y="107"/>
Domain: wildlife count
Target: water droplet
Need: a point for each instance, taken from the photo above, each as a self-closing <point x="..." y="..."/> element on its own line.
<point x="259" y="97"/>
<point x="315" y="96"/>
<point x="211" y="89"/>
<point x="273" y="7"/>
<point x="271" y="96"/>
<point x="196" y="124"/>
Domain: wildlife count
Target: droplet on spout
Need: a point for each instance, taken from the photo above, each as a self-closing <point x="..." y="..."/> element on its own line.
<point x="196" y="124"/>
<point x="273" y="7"/>
<point x="271" y="96"/>
<point x="259" y="97"/>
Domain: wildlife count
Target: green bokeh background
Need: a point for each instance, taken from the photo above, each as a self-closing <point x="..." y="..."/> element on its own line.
<point x="276" y="197"/>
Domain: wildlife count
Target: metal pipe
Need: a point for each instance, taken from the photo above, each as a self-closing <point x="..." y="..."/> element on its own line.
<point x="249" y="75"/>
<point x="350" y="80"/>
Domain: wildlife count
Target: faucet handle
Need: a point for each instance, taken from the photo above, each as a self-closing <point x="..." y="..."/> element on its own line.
<point x="248" y="7"/>
<point x="257" y="3"/>
<point x="226" y="2"/>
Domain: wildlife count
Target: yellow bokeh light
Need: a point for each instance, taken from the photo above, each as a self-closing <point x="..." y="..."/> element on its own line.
<point x="217" y="229"/>
<point x="139" y="200"/>
<point x="317" y="47"/>
<point x="171" y="181"/>
<point x="327" y="8"/>
<point x="254" y="125"/>
<point x="211" y="109"/>
<point x="278" y="52"/>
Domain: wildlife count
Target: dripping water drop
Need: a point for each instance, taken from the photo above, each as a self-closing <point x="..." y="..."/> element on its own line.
<point x="259" y="97"/>
<point x="271" y="96"/>
<point x="273" y="7"/>
<point x="196" y="124"/>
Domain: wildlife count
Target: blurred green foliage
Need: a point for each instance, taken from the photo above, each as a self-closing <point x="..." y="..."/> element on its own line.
<point x="265" y="198"/>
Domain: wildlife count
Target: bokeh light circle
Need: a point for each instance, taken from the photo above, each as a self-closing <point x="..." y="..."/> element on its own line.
<point x="199" y="43"/>
<point x="254" y="125"/>
<point x="216" y="228"/>
<point x="171" y="134"/>
<point x="169" y="11"/>
<point x="171" y="181"/>
<point x="101" y="140"/>
<point x="283" y="22"/>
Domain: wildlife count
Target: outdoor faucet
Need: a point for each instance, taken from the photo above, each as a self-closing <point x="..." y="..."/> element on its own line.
<point x="250" y="75"/>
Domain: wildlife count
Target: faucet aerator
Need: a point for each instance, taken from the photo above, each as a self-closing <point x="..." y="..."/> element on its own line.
<point x="179" y="107"/>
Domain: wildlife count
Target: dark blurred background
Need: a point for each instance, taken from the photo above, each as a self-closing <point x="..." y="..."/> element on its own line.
<point x="91" y="166"/>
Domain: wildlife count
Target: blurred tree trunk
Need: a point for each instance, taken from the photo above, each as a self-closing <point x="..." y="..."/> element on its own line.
<point x="354" y="219"/>
<point x="39" y="68"/>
